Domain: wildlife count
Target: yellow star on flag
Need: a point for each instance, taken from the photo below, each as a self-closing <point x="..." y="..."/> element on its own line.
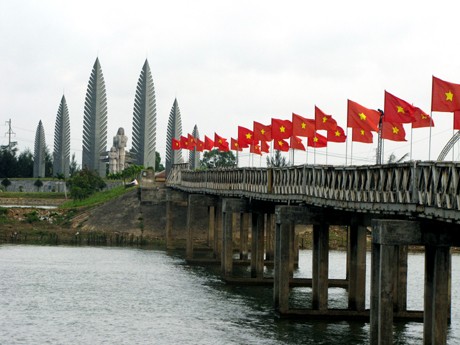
<point x="262" y="131"/>
<point x="248" y="136"/>
<point x="400" y="109"/>
<point x="424" y="117"/>
<point x="362" y="116"/>
<point x="280" y="143"/>
<point x="361" y="131"/>
<point x="395" y="130"/>
<point x="337" y="133"/>
<point x="315" y="139"/>
<point x="220" y="141"/>
<point x="304" y="125"/>
<point x="449" y="96"/>
<point x="282" y="129"/>
<point x="324" y="119"/>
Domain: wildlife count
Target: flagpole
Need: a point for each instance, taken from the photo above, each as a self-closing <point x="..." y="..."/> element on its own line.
<point x="429" y="145"/>
<point x="314" y="155"/>
<point x="327" y="149"/>
<point x="346" y="150"/>
<point x="411" y="132"/>
<point x="351" y="154"/>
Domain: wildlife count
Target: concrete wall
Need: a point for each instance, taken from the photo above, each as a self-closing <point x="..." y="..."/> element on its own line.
<point x="48" y="185"/>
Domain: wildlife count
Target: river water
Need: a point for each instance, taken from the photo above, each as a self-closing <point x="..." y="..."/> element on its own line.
<point x="93" y="295"/>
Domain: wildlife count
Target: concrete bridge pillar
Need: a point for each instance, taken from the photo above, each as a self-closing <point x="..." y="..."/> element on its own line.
<point x="389" y="260"/>
<point x="257" y="245"/>
<point x="357" y="267"/>
<point x="229" y="207"/>
<point x="269" y="236"/>
<point x="217" y="247"/>
<point x="320" y="267"/>
<point x="244" y="235"/>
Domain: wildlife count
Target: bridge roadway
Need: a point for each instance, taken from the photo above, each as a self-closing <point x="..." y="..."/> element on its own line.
<point x="412" y="203"/>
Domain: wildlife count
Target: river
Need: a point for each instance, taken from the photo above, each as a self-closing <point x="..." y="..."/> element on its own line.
<point x="94" y="295"/>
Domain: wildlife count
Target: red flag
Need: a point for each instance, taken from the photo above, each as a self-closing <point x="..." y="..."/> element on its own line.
<point x="393" y="131"/>
<point x="317" y="141"/>
<point x="191" y="141"/>
<point x="302" y="127"/>
<point x="176" y="144"/>
<point x="281" y="145"/>
<point x="262" y="132"/>
<point x="337" y="135"/>
<point x="445" y="96"/>
<point x="185" y="144"/>
<point x="245" y="137"/>
<point x="221" y="143"/>
<point x="208" y="143"/>
<point x="362" y="117"/>
<point x="264" y="147"/>
<point x="323" y="121"/>
<point x="199" y="145"/>
<point x="456" y="119"/>
<point x="397" y="110"/>
<point x="422" y="119"/>
<point x="255" y="148"/>
<point x="361" y="135"/>
<point x="235" y="145"/>
<point x="281" y="129"/>
<point x="296" y="143"/>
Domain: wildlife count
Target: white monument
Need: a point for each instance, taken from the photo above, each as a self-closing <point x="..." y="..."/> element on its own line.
<point x="117" y="152"/>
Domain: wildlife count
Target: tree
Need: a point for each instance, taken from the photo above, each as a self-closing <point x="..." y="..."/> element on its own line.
<point x="218" y="159"/>
<point x="38" y="183"/>
<point x="6" y="183"/>
<point x="8" y="162"/>
<point x="84" y="183"/>
<point x="131" y="172"/>
<point x="48" y="163"/>
<point x="158" y="165"/>
<point x="25" y="167"/>
<point x="73" y="167"/>
<point x="277" y="161"/>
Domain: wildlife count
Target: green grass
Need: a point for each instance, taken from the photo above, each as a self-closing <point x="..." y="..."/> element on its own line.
<point x="97" y="198"/>
<point x="30" y="195"/>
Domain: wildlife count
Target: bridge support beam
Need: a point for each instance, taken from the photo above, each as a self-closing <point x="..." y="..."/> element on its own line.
<point x="244" y="235"/>
<point x="357" y="267"/>
<point x="218" y="230"/>
<point x="320" y="269"/>
<point x="229" y="207"/>
<point x="257" y="245"/>
<point x="388" y="262"/>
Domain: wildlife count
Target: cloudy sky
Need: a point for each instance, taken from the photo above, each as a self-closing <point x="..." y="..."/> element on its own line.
<point x="228" y="63"/>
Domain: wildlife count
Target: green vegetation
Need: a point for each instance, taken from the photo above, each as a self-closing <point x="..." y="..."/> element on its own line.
<point x="34" y="195"/>
<point x="85" y="183"/>
<point x="218" y="159"/>
<point x="6" y="183"/>
<point x="96" y="198"/>
<point x="277" y="160"/>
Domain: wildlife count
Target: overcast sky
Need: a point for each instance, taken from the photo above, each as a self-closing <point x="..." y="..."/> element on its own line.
<point x="228" y="63"/>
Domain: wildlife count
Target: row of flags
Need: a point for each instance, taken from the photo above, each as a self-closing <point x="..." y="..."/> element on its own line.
<point x="363" y="122"/>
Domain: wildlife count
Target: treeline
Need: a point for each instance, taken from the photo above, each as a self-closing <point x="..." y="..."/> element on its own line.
<point x="13" y="164"/>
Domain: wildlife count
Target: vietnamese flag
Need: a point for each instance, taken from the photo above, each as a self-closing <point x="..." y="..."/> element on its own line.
<point x="262" y="132"/>
<point x="362" y="117"/>
<point x="281" y="145"/>
<point x="221" y="143"/>
<point x="362" y="136"/>
<point x="235" y="145"/>
<point x="422" y="119"/>
<point x="176" y="144"/>
<point x="264" y="147"/>
<point x="337" y="135"/>
<point x="323" y="121"/>
<point x="317" y="141"/>
<point x="245" y="136"/>
<point x="296" y="143"/>
<point x="255" y="148"/>
<point x="397" y="110"/>
<point x="191" y="141"/>
<point x="302" y="127"/>
<point x="281" y="129"/>
<point x="456" y="119"/>
<point x="184" y="143"/>
<point x="393" y="131"/>
<point x="208" y="143"/>
<point x="445" y="96"/>
<point x="199" y="145"/>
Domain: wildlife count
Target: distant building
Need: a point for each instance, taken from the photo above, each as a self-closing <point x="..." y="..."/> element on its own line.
<point x="95" y="122"/>
<point x="144" y="120"/>
<point x="61" y="153"/>
<point x="194" y="155"/>
<point x="39" y="151"/>
<point x="174" y="131"/>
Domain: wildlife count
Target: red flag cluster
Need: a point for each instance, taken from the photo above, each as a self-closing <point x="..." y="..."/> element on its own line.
<point x="363" y="121"/>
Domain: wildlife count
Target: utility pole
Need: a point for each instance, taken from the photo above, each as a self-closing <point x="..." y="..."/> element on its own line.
<point x="9" y="133"/>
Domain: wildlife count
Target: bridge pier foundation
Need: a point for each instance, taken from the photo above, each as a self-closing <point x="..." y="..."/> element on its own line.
<point x="357" y="266"/>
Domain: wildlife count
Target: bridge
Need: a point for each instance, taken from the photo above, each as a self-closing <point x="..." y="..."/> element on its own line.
<point x="413" y="203"/>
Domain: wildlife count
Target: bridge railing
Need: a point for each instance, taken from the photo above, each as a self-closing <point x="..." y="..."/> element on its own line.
<point x="432" y="184"/>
